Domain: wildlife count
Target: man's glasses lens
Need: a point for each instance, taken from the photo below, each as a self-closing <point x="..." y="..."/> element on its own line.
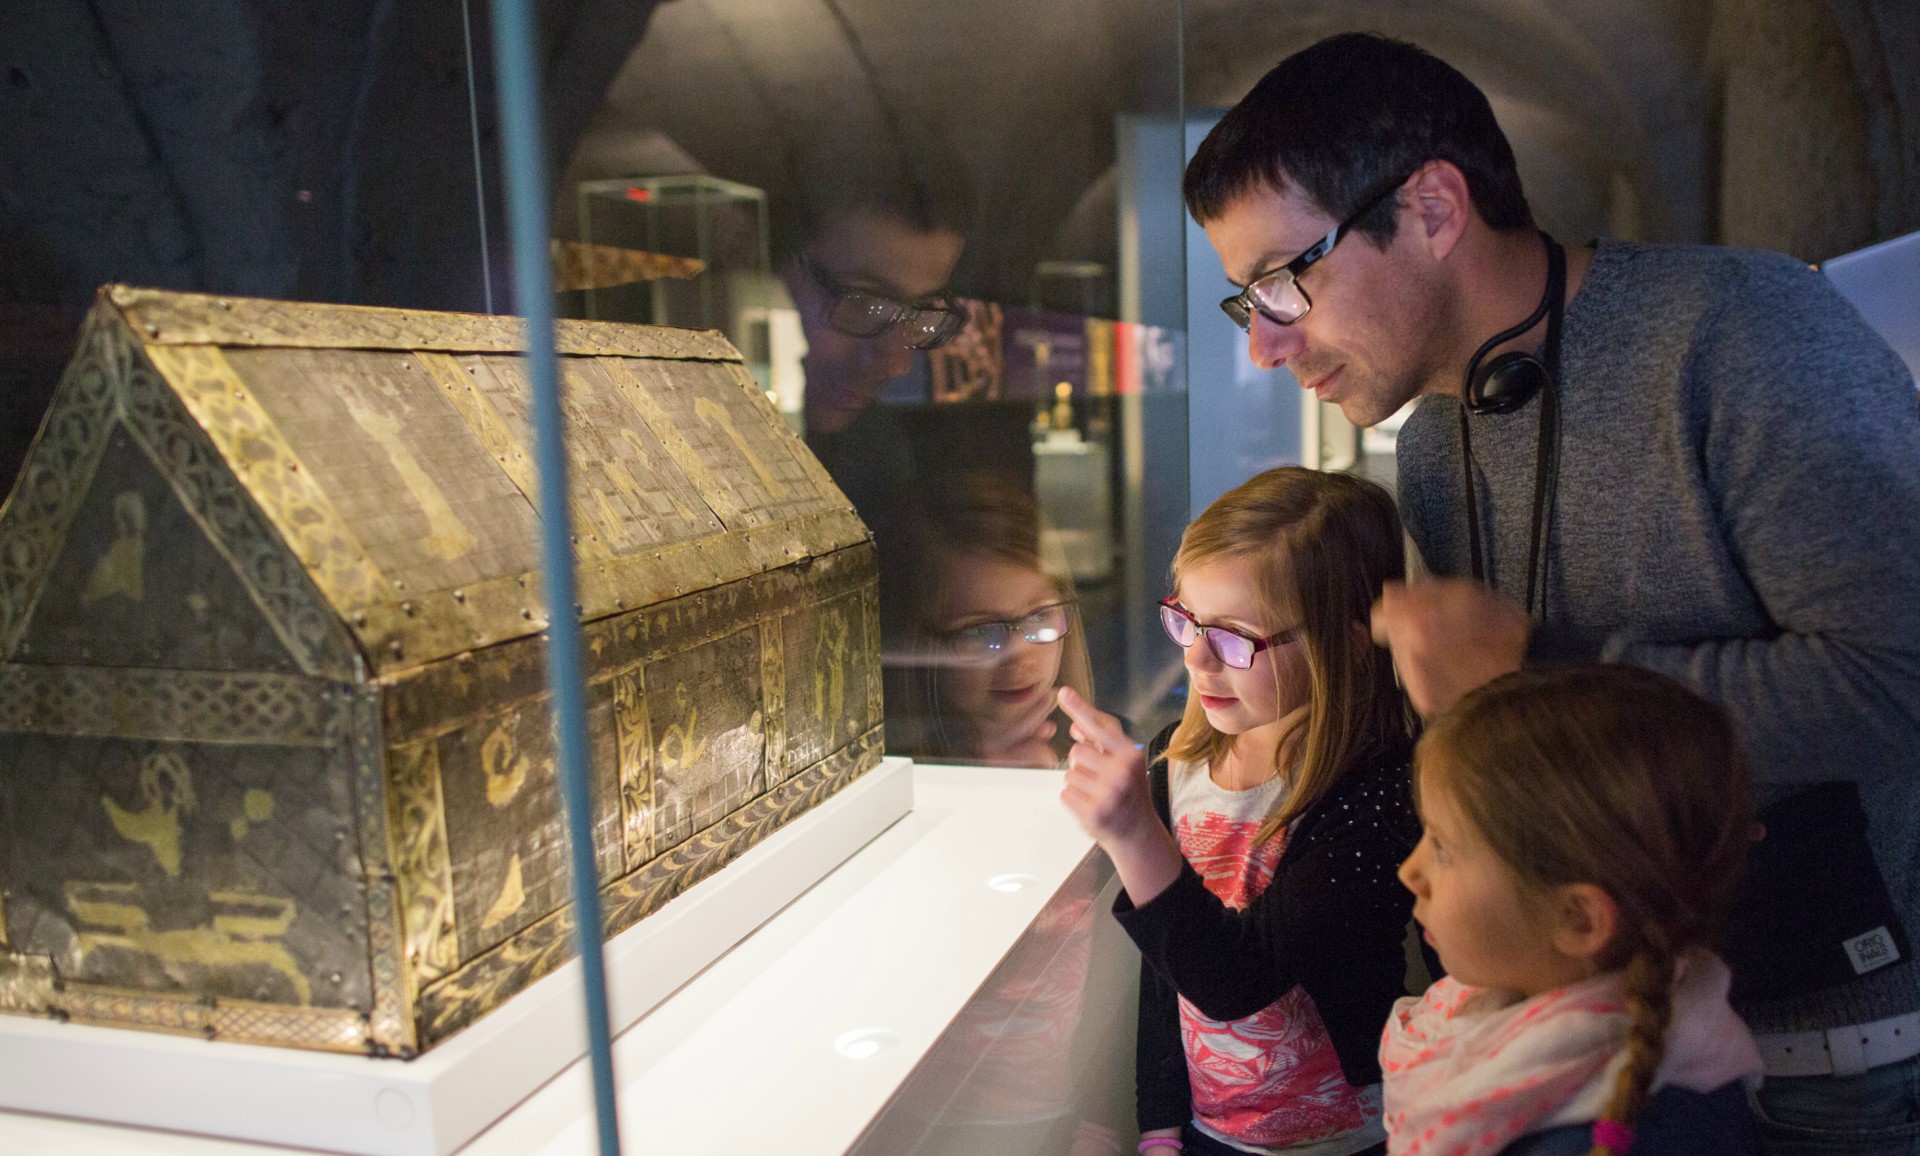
<point x="860" y="313"/>
<point x="1276" y="295"/>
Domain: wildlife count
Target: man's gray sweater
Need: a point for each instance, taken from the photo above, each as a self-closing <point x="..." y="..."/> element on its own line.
<point x="1738" y="507"/>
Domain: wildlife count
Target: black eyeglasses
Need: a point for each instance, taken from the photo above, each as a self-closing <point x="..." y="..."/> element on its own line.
<point x="864" y="313"/>
<point x="1228" y="645"/>
<point x="1278" y="296"/>
<point x="988" y="640"/>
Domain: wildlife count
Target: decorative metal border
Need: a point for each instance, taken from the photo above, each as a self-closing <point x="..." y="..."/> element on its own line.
<point x="239" y="1021"/>
<point x="256" y="451"/>
<point x="57" y="470"/>
<point x="390" y="1024"/>
<point x="876" y="708"/>
<point x="493" y="978"/>
<point x="476" y="409"/>
<point x="166" y="318"/>
<point x="422" y="868"/>
<point x="187" y="706"/>
<point x="187" y="457"/>
<point x="27" y="984"/>
<point x="773" y="694"/>
<point x="633" y="747"/>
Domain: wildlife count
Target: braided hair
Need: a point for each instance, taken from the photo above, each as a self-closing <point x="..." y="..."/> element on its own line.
<point x="1619" y="778"/>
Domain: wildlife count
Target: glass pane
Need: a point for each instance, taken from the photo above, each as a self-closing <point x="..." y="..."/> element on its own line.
<point x="836" y="181"/>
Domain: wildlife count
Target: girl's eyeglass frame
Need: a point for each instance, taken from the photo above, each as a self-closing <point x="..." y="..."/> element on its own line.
<point x="1231" y="647"/>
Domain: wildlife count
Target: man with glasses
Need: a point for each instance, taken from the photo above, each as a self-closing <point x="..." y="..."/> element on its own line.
<point x="871" y="245"/>
<point x="1706" y="466"/>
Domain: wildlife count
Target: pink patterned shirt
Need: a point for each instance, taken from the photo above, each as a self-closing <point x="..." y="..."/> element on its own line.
<point x="1270" y="1081"/>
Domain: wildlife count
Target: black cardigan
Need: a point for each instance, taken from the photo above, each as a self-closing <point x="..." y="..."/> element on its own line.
<point x="1334" y="919"/>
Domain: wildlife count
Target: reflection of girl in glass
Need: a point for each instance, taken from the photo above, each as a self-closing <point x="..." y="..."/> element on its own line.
<point x="991" y="630"/>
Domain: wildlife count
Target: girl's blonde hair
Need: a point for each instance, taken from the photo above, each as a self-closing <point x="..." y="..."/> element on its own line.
<point x="1616" y="777"/>
<point x="1322" y="546"/>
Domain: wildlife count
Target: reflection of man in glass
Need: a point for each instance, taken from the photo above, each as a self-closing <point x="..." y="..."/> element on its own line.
<point x="869" y="277"/>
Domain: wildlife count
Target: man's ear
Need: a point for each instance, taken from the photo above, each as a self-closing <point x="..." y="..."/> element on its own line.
<point x="1440" y="206"/>
<point x="1585" y="920"/>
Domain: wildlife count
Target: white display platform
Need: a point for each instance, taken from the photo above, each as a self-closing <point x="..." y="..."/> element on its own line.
<point x="794" y="1040"/>
<point x="432" y="1105"/>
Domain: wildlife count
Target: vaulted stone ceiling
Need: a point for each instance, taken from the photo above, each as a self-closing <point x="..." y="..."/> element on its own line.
<point x="1790" y="123"/>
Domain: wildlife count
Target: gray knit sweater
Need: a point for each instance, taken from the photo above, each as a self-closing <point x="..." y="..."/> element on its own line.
<point x="1738" y="507"/>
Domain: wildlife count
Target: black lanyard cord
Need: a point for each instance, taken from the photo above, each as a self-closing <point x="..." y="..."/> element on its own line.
<point x="1546" y="472"/>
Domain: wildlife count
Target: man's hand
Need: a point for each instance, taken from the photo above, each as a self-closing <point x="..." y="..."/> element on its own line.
<point x="1448" y="636"/>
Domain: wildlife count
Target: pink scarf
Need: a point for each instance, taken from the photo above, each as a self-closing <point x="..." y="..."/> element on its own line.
<point x="1466" y="1070"/>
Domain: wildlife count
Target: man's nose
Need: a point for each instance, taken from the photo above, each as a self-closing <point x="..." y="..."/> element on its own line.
<point x="887" y="354"/>
<point x="1271" y="344"/>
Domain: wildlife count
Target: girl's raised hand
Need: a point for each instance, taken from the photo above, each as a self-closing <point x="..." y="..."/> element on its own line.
<point x="1106" y="774"/>
<point x="1107" y="792"/>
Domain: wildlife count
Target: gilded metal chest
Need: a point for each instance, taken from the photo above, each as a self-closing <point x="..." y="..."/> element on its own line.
<point x="275" y="755"/>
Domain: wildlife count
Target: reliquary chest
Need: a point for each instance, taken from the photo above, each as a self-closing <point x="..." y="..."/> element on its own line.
<point x="276" y="760"/>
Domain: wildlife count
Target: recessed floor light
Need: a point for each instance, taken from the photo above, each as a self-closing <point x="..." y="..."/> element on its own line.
<point x="865" y="1043"/>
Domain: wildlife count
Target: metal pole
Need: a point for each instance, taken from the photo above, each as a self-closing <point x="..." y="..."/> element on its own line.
<point x="517" y="74"/>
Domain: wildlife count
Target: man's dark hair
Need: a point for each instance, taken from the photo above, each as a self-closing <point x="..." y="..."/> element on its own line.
<point x="1348" y="117"/>
<point x="921" y="185"/>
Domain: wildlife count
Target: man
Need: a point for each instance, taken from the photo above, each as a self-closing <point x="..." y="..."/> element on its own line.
<point x="1718" y="478"/>
<point x="870" y="259"/>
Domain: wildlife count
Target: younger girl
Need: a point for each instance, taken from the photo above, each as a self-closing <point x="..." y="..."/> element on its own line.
<point x="1271" y="908"/>
<point x="1584" y="828"/>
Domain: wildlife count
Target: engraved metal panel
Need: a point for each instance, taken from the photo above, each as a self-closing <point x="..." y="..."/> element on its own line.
<point x="226" y="871"/>
<point x="746" y="462"/>
<point x="705" y="711"/>
<point x="628" y="493"/>
<point x="235" y="524"/>
<point x="505" y="837"/>
<point x="826" y="697"/>
<point x="409" y="478"/>
<point x="490" y="980"/>
<point x="137" y="583"/>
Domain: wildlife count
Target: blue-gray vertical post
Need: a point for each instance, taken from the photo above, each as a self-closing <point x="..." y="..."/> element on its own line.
<point x="517" y="73"/>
